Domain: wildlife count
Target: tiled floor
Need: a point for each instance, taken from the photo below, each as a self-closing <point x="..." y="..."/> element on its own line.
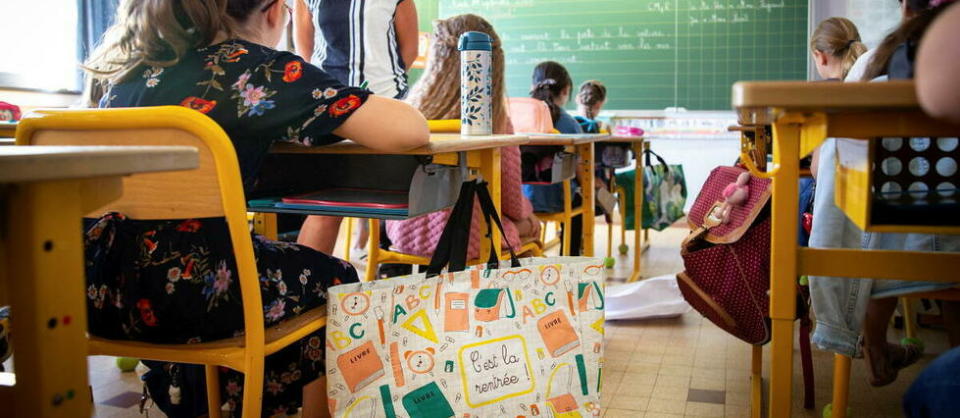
<point x="683" y="366"/>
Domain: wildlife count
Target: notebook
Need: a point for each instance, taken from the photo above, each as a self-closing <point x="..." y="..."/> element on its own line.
<point x="557" y="333"/>
<point x="360" y="366"/>
<point x="349" y="197"/>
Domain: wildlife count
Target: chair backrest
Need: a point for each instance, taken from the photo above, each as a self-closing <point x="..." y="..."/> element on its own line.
<point x="530" y="115"/>
<point x="213" y="189"/>
<point x="168" y="195"/>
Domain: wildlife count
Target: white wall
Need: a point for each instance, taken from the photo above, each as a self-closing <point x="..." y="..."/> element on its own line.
<point x="874" y="18"/>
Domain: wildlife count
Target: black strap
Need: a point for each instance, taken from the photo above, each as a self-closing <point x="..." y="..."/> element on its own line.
<point x="646" y="157"/>
<point x="490" y="212"/>
<point x="452" y="247"/>
<point x="451" y="250"/>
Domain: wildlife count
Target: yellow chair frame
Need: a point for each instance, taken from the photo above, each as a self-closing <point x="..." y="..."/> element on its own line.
<point x="214" y="189"/>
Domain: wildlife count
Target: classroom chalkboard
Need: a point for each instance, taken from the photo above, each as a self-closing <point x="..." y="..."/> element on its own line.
<point x="650" y="54"/>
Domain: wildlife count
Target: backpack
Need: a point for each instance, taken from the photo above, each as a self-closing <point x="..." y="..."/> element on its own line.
<point x="726" y="259"/>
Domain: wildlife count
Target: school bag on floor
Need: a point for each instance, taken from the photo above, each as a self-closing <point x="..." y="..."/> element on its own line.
<point x="665" y="193"/>
<point x="519" y="339"/>
<point x="726" y="258"/>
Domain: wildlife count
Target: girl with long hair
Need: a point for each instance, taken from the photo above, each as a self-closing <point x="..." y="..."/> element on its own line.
<point x="437" y="95"/>
<point x="174" y="281"/>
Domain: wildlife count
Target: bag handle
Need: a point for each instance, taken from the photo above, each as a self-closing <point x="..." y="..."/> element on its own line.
<point x="452" y="247"/>
<point x="451" y="250"/>
<point x="490" y="213"/>
<point x="646" y="156"/>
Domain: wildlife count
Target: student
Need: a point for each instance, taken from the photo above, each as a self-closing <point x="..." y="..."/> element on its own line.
<point x="174" y="281"/>
<point x="938" y="68"/>
<point x="551" y="83"/>
<point x="590" y="99"/>
<point x="835" y="47"/>
<point x="845" y="308"/>
<point x="437" y="95"/>
<point x="356" y="42"/>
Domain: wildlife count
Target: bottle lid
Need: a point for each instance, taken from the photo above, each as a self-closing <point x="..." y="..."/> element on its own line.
<point x="475" y="41"/>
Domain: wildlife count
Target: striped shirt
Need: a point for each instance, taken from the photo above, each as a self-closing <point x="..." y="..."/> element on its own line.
<point x="356" y="41"/>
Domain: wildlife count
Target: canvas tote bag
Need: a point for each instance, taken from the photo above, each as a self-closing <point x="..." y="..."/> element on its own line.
<point x="521" y="338"/>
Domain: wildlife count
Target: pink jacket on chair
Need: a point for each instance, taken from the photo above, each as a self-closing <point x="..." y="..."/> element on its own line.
<point x="419" y="236"/>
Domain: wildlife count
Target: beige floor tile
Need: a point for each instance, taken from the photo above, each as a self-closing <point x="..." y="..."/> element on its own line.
<point x="702" y="409"/>
<point x="633" y="403"/>
<point x="673" y="381"/>
<point x="611" y="380"/>
<point x="676" y="370"/>
<point x="645" y="357"/>
<point x="639" y="389"/>
<point x="709" y="373"/>
<point x="673" y="393"/>
<point x="709" y="384"/>
<point x="639" y="368"/>
<point x="622" y="413"/>
<point x="735" y="411"/>
<point x="668" y="406"/>
<point x="678" y="360"/>
<point x="661" y="415"/>
<point x="737" y="398"/>
<point x="639" y="379"/>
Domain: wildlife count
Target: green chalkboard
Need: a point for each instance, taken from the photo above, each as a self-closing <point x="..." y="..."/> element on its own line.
<point x="650" y="54"/>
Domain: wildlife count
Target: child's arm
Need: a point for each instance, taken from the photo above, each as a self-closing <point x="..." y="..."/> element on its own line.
<point x="303" y="29"/>
<point x="406" y="25"/>
<point x="938" y="66"/>
<point x="387" y="125"/>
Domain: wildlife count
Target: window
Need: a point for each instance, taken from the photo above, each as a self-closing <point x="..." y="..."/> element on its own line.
<point x="40" y="45"/>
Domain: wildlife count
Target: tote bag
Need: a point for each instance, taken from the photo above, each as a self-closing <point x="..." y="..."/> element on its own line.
<point x="520" y="339"/>
<point x="665" y="193"/>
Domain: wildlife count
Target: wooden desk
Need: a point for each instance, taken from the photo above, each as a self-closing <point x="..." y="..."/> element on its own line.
<point x="640" y="241"/>
<point x="803" y="115"/>
<point x="7" y="141"/>
<point x="45" y="190"/>
<point x="583" y="147"/>
<point x="482" y="153"/>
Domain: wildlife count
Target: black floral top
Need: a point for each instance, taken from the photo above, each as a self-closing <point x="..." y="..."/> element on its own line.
<point x="256" y="94"/>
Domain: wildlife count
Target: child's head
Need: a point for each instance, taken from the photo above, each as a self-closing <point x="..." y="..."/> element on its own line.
<point x="437" y="93"/>
<point x="591" y="97"/>
<point x="910" y="32"/>
<point x="159" y="32"/>
<point x="552" y="84"/>
<point x="911" y="8"/>
<point x="835" y="46"/>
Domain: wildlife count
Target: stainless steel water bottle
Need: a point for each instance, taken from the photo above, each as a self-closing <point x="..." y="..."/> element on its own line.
<point x="476" y="112"/>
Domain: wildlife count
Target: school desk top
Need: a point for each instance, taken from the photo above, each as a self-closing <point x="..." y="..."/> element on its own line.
<point x="36" y="163"/>
<point x="439" y="144"/>
<point x="755" y="101"/>
<point x="7" y="141"/>
<point x="623" y="139"/>
<point x="566" y="139"/>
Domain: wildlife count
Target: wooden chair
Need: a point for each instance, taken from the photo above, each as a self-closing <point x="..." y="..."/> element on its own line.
<point x="533" y="116"/>
<point x="212" y="190"/>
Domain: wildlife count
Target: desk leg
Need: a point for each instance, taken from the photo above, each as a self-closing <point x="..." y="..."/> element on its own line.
<point x="783" y="264"/>
<point x="490" y="171"/>
<point x="266" y="224"/>
<point x="45" y="254"/>
<point x="638" y="191"/>
<point x="586" y="169"/>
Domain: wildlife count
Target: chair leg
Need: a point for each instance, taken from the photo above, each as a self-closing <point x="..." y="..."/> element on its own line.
<point x="253" y="387"/>
<point x="567" y="219"/>
<point x="349" y="241"/>
<point x="213" y="390"/>
<point x="756" y="381"/>
<point x="373" y="251"/>
<point x="841" y="386"/>
<point x="909" y="319"/>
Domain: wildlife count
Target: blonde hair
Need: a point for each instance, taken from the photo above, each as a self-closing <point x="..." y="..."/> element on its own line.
<point x="839" y="38"/>
<point x="159" y="32"/>
<point x="437" y="93"/>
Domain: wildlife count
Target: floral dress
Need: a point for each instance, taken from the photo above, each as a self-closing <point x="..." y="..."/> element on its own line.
<point x="175" y="281"/>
